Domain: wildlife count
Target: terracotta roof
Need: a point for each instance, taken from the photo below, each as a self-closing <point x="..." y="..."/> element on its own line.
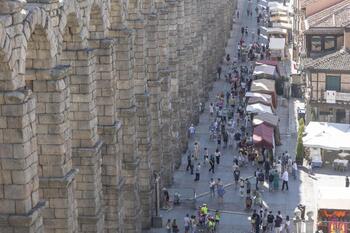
<point x="338" y="61"/>
<point x="337" y="15"/>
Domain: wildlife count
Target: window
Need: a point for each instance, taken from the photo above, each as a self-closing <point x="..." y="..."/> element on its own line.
<point x="316" y="44"/>
<point x="333" y="83"/>
<point x="329" y="42"/>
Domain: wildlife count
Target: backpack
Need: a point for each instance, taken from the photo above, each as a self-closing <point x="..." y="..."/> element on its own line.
<point x="271" y="176"/>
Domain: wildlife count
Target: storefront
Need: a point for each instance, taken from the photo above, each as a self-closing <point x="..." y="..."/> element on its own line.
<point x="333" y="213"/>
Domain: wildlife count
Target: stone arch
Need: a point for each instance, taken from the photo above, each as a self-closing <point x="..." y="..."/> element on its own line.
<point x="86" y="144"/>
<point x="72" y="33"/>
<point x="50" y="87"/>
<point x="98" y="15"/>
<point x="5" y="72"/>
<point x="118" y="13"/>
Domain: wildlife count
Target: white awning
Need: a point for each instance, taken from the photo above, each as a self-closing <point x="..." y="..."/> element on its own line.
<point x="265" y="69"/>
<point x="276" y="31"/>
<point x="337" y="198"/>
<point x="282" y="25"/>
<point x="277" y="43"/>
<point x="258" y="108"/>
<point x="265" y="97"/>
<point x="329" y="136"/>
<point x="277" y="18"/>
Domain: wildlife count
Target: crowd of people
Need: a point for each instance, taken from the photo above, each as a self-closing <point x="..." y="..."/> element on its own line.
<point x="230" y="129"/>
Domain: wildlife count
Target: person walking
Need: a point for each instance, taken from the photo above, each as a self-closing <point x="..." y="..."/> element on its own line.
<point x="191" y="131"/>
<point x="271" y="179"/>
<point x="187" y="223"/>
<point x="220" y="190"/>
<point x="270" y="221"/>
<point x="188" y="161"/>
<point x="196" y="149"/>
<point x="193" y="224"/>
<point x="211" y="109"/>
<point x="287" y="225"/>
<point x="217" y="156"/>
<point x="285" y="180"/>
<point x="347" y="182"/>
<point x="206" y="157"/>
<point x="218" y="70"/>
<point x="212" y="184"/>
<point x="198" y="168"/>
<point x="236" y="176"/>
<point x="225" y="138"/>
<point x="294" y="170"/>
<point x="276" y="178"/>
<point x="263" y="217"/>
<point x="278" y="222"/>
<point x="174" y="226"/>
<point x="192" y="164"/>
<point x="248" y="187"/>
<point x="168" y="226"/>
<point x="241" y="187"/>
<point x="212" y="164"/>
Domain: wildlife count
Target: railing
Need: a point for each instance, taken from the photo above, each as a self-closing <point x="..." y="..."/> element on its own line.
<point x="334" y="96"/>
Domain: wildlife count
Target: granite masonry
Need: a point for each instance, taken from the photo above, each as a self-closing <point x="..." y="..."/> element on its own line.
<point x="96" y="97"/>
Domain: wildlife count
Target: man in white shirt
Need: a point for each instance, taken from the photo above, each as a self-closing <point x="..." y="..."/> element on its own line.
<point x="187" y="222"/>
<point x="191" y="130"/>
<point x="285" y="179"/>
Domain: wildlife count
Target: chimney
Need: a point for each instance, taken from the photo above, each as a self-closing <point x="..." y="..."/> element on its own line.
<point x="347" y="38"/>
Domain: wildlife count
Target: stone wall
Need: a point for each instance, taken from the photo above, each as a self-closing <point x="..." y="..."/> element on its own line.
<point x="96" y="97"/>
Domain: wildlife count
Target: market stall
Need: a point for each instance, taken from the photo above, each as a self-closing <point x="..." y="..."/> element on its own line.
<point x="325" y="140"/>
<point x="265" y="86"/>
<point x="258" y="108"/>
<point x="277" y="48"/>
<point x="277" y="33"/>
<point x="265" y="71"/>
<point x="263" y="136"/>
<point x="254" y="97"/>
<point x="269" y="120"/>
<point x="333" y="209"/>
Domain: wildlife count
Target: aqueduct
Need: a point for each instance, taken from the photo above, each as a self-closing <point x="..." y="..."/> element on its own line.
<point x="95" y="98"/>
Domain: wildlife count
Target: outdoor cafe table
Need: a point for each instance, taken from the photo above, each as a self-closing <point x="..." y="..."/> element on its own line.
<point x="340" y="164"/>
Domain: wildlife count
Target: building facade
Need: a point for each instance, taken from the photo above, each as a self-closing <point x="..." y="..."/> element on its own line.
<point x="96" y="97"/>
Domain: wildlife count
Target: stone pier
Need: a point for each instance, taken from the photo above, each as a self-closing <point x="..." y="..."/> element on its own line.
<point x="96" y="98"/>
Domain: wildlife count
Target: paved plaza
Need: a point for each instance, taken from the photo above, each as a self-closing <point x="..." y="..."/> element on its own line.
<point x="235" y="219"/>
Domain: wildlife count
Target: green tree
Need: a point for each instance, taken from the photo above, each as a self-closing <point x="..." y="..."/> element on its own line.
<point x="300" y="147"/>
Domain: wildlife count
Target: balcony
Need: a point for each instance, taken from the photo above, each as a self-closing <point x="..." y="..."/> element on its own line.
<point x="333" y="97"/>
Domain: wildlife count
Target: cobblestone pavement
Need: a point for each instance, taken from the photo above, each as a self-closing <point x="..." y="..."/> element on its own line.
<point x="234" y="216"/>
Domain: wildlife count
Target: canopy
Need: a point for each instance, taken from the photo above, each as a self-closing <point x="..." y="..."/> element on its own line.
<point x="258" y="108"/>
<point x="263" y="136"/>
<point x="266" y="86"/>
<point x="265" y="71"/>
<point x="278" y="12"/>
<point x="277" y="18"/>
<point x="329" y="136"/>
<point x="276" y="6"/>
<point x="276" y="31"/>
<point x="337" y="198"/>
<point x="264" y="117"/>
<point x="282" y="25"/>
<point x="255" y="97"/>
<point x="277" y="43"/>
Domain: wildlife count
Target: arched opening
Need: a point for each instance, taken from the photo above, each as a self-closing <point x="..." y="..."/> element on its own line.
<point x="107" y="126"/>
<point x="50" y="88"/>
<point x="86" y="145"/>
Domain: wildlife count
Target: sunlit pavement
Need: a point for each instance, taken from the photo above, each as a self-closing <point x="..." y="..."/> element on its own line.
<point x="234" y="216"/>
